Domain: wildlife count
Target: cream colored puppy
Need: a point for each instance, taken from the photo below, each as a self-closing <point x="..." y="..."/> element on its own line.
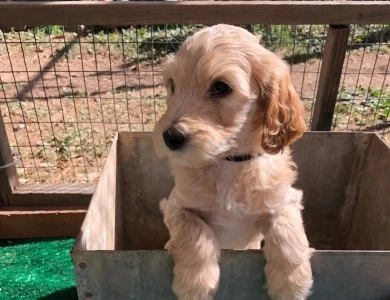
<point x="231" y="113"/>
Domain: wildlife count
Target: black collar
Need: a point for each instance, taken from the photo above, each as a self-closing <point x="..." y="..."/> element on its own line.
<point x="240" y="158"/>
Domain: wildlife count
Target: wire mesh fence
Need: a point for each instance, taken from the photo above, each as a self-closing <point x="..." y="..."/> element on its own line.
<point x="64" y="95"/>
<point x="364" y="93"/>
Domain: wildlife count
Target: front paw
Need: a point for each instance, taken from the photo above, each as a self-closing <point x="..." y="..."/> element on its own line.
<point x="196" y="282"/>
<point x="292" y="285"/>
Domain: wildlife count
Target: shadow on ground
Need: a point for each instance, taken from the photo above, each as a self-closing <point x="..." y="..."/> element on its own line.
<point x="69" y="293"/>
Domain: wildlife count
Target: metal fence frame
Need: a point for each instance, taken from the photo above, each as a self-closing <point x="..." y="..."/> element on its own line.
<point x="65" y="204"/>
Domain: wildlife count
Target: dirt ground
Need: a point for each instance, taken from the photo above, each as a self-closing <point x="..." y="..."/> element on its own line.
<point x="62" y="114"/>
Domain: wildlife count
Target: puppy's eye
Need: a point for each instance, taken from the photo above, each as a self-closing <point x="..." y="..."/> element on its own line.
<point x="220" y="89"/>
<point x="171" y="86"/>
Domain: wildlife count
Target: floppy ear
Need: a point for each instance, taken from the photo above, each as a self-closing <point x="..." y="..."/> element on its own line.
<point x="283" y="112"/>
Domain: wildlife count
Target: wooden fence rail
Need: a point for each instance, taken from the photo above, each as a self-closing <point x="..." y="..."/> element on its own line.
<point x="330" y="75"/>
<point x="59" y="205"/>
<point x="193" y="12"/>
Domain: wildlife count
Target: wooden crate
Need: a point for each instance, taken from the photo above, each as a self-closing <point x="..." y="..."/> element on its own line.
<point x="345" y="178"/>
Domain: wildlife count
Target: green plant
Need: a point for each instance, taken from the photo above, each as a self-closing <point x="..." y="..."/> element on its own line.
<point x="379" y="107"/>
<point x="63" y="145"/>
<point x="363" y="105"/>
<point x="51" y="29"/>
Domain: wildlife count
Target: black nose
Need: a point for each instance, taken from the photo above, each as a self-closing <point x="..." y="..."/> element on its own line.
<point x="174" y="139"/>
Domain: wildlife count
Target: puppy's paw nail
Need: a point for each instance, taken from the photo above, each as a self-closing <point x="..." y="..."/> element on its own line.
<point x="168" y="246"/>
<point x="163" y="204"/>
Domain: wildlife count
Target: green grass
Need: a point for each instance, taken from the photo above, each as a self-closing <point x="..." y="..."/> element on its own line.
<point x="36" y="269"/>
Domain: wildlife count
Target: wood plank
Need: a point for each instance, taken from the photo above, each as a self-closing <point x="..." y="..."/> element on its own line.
<point x="8" y="176"/>
<point x="370" y="228"/>
<point x="53" y="194"/>
<point x="102" y="228"/>
<point x="330" y="75"/>
<point x="27" y="222"/>
<point x="193" y="12"/>
<point x="75" y="188"/>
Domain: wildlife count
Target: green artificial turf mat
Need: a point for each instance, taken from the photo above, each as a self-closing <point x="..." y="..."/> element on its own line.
<point x="36" y="269"/>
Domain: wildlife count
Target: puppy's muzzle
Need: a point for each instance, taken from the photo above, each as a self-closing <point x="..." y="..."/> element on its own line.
<point x="174" y="138"/>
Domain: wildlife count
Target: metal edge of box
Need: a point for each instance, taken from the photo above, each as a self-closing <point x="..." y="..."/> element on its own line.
<point x="352" y="274"/>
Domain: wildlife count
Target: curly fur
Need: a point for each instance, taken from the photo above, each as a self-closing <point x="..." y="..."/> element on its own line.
<point x="217" y="204"/>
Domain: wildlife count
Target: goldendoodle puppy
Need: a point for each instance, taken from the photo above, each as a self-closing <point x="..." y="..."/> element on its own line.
<point x="232" y="112"/>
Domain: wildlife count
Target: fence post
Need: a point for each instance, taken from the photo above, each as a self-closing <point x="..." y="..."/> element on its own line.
<point x="330" y="75"/>
<point x="8" y="176"/>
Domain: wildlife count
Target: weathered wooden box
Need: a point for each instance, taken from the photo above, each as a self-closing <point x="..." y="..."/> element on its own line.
<point x="346" y="182"/>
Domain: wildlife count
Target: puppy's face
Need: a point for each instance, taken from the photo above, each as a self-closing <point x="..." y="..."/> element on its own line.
<point x="226" y="95"/>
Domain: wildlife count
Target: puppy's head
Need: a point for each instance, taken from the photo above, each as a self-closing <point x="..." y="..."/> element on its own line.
<point x="226" y="95"/>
